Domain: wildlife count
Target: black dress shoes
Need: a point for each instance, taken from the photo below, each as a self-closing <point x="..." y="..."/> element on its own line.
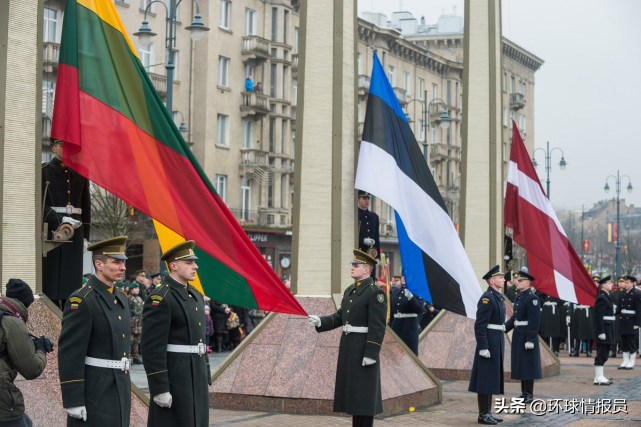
<point x="528" y="398"/>
<point x="613" y="354"/>
<point x="497" y="419"/>
<point x="487" y="420"/>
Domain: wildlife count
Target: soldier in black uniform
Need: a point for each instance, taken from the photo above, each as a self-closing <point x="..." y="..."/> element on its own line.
<point x="368" y="228"/>
<point x="510" y="289"/>
<point x="629" y="313"/>
<point x="405" y="309"/>
<point x="551" y="322"/>
<point x="487" y="371"/>
<point x="604" y="327"/>
<point x="617" y="291"/>
<point x="526" y="320"/>
<point x="173" y="345"/>
<point x="582" y="328"/>
<point x="66" y="200"/>
<point x="362" y="317"/>
<point x="93" y="355"/>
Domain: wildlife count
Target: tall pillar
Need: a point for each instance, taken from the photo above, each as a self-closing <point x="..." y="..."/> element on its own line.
<point x="482" y="168"/>
<point x="20" y="133"/>
<point x="324" y="232"/>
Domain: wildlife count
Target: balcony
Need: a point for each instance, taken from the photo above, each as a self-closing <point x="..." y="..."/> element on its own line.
<point x="50" y="56"/>
<point x="363" y="85"/>
<point x="160" y="83"/>
<point x="517" y="101"/>
<point x="438" y="152"/>
<point x="263" y="217"/>
<point x="293" y="116"/>
<point x="47" y="105"/>
<point x="401" y="95"/>
<point x="254" y="104"/>
<point x="255" y="49"/>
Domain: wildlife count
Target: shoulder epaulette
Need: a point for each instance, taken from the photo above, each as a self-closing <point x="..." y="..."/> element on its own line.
<point x="83" y="292"/>
<point x="124" y="293"/>
<point x="45" y="164"/>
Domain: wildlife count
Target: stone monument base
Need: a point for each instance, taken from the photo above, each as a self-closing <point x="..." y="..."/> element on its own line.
<point x="448" y="344"/>
<point x="284" y="365"/>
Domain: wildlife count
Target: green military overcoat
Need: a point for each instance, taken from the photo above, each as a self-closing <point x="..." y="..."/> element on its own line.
<point x="95" y="323"/>
<point x="358" y="387"/>
<point x="175" y="314"/>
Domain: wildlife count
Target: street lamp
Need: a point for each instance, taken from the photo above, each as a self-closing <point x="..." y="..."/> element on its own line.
<point x="617" y="247"/>
<point x="196" y="29"/>
<point x="548" y="163"/>
<point x="425" y="107"/>
<point x="182" y="127"/>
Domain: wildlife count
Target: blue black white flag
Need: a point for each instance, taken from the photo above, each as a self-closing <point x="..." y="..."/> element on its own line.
<point x="391" y="166"/>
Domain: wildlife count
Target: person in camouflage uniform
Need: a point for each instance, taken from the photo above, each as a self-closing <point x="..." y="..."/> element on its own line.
<point x="135" y="309"/>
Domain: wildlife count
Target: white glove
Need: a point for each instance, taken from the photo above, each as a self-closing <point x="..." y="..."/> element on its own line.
<point x="614" y="308"/>
<point x="79" y="412"/>
<point x="529" y="345"/>
<point x="85" y="245"/>
<point x="636" y="327"/>
<point x="601" y="337"/>
<point x="163" y="399"/>
<point x="485" y="353"/>
<point x="567" y="320"/>
<point x="367" y="361"/>
<point x="368" y="241"/>
<point x="314" y="321"/>
<point x="408" y="294"/>
<point x="73" y="222"/>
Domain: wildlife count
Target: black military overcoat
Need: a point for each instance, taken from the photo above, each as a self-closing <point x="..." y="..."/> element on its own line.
<point x="604" y="307"/>
<point x="405" y="327"/>
<point x="526" y="364"/>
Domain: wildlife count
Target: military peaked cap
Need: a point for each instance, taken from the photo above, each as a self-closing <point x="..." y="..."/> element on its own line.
<point x="606" y="279"/>
<point x="524" y="275"/>
<point x="133" y="285"/>
<point x="362" y="193"/>
<point x="181" y="252"/>
<point x="153" y="276"/>
<point x="113" y="248"/>
<point x="495" y="271"/>
<point x="361" y="257"/>
<point x="141" y="273"/>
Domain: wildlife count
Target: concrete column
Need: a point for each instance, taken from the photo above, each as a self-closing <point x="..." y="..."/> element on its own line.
<point x="482" y="169"/>
<point x="20" y="134"/>
<point x="324" y="232"/>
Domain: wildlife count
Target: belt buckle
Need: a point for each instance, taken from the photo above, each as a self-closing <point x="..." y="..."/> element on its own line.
<point x="201" y="349"/>
<point x="69" y="209"/>
<point x="125" y="364"/>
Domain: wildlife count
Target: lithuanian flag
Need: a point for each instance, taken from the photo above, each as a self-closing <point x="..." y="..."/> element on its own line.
<point x="118" y="134"/>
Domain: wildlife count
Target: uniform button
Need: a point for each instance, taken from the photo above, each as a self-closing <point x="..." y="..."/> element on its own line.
<point x="119" y="318"/>
<point x="67" y="180"/>
<point x="196" y="308"/>
<point x="399" y="297"/>
<point x="189" y="295"/>
<point x="69" y="192"/>
<point x="66" y="170"/>
<point x="123" y="335"/>
<point x="201" y="340"/>
<point x="346" y="323"/>
<point x="398" y="303"/>
<point x="201" y="325"/>
<point x="115" y="301"/>
<point x="350" y="300"/>
<point x="348" y="311"/>
<point x="124" y="354"/>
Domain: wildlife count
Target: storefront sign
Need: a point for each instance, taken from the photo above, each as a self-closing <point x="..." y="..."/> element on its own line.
<point x="257" y="237"/>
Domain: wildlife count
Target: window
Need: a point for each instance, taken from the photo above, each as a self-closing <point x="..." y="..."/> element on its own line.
<point x="283" y="191"/>
<point x="434" y="135"/>
<point x="296" y="40"/>
<point x="390" y="75"/>
<point x="406" y="82"/>
<point x="434" y="91"/>
<point x="512" y="84"/>
<point x="511" y="121"/>
<point x="145" y="3"/>
<point x="146" y="54"/>
<point x="285" y="82"/>
<point x="248" y="133"/>
<point x="245" y="203"/>
<point x="421" y="89"/>
<point x="505" y="82"/>
<point x="270" y="187"/>
<point x="250" y="22"/>
<point x="293" y="144"/>
<point x="225" y="9"/>
<point x="358" y="62"/>
<point x="175" y="61"/>
<point x="505" y="123"/>
<point x="285" y="25"/>
<point x="50" y="29"/>
<point x="221" y="186"/>
<point x="282" y="136"/>
<point x="249" y="71"/>
<point x="272" y="81"/>
<point x="223" y="71"/>
<point x="295" y="95"/>
<point x="421" y="130"/>
<point x="449" y="135"/>
<point x="390" y="214"/>
<point x="274" y="22"/>
<point x="222" y="134"/>
<point x="448" y="94"/>
<point x="272" y="134"/>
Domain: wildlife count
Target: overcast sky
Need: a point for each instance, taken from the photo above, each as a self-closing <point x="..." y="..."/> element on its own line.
<point x="588" y="92"/>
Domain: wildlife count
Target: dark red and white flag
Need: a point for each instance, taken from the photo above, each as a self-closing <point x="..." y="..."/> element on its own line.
<point x="552" y="261"/>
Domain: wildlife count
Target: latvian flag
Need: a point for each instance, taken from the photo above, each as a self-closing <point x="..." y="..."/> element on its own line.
<point x="391" y="166"/>
<point x="551" y="259"/>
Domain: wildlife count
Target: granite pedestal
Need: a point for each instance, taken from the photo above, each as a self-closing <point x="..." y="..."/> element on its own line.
<point x="448" y="344"/>
<point x="284" y="365"/>
<point x="43" y="398"/>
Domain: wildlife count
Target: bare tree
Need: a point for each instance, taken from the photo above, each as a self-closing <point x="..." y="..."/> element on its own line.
<point x="631" y="256"/>
<point x="111" y="216"/>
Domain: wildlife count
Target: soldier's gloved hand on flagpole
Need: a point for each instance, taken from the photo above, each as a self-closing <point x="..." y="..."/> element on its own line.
<point x="529" y="345"/>
<point x="636" y="326"/>
<point x="163" y="399"/>
<point x="408" y="294"/>
<point x="314" y="321"/>
<point x="73" y="222"/>
<point x="368" y="241"/>
<point x="367" y="361"/>
<point x="567" y="320"/>
<point x="601" y="337"/>
<point x="485" y="353"/>
<point x="79" y="412"/>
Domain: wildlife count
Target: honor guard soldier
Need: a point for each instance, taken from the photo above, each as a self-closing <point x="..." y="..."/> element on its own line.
<point x="405" y="309"/>
<point x="487" y="371"/>
<point x="368" y="228"/>
<point x="526" y="320"/>
<point x="604" y="328"/>
<point x="617" y="291"/>
<point x="66" y="200"/>
<point x="629" y="313"/>
<point x="510" y="289"/>
<point x="582" y="327"/>
<point x="93" y="353"/>
<point x="173" y="345"/>
<point x="362" y="316"/>
<point x="135" y="311"/>
<point x="552" y="324"/>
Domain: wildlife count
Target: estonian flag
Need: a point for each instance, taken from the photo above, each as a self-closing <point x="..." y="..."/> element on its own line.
<point x="392" y="167"/>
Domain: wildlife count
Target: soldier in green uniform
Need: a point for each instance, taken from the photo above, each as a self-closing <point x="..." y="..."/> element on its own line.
<point x="93" y="354"/>
<point x="362" y="316"/>
<point x="173" y="345"/>
<point x="135" y="311"/>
